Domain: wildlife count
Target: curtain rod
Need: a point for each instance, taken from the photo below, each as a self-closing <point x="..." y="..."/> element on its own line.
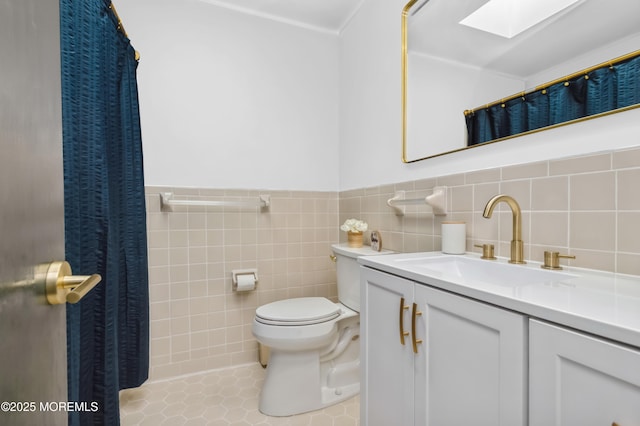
<point x="112" y="7"/>
<point x="565" y="79"/>
<point x="115" y="13"/>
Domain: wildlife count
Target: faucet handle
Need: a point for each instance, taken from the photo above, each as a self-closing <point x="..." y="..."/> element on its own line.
<point x="487" y="251"/>
<point x="552" y="259"/>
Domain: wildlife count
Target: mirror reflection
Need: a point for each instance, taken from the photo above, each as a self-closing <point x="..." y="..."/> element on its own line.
<point x="449" y="67"/>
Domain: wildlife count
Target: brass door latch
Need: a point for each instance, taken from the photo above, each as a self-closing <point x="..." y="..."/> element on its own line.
<point x="61" y="286"/>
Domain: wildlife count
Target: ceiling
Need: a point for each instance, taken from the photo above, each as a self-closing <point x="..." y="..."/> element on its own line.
<point x="434" y="30"/>
<point x="580" y="29"/>
<point x="322" y="15"/>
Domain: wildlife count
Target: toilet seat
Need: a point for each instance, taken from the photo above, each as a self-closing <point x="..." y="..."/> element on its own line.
<point x="298" y="311"/>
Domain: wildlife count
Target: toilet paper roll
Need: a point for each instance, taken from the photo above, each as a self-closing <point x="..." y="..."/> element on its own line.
<point x="246" y="282"/>
<point x="454" y="237"/>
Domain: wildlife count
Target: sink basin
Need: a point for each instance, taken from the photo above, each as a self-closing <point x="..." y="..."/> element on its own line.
<point x="467" y="270"/>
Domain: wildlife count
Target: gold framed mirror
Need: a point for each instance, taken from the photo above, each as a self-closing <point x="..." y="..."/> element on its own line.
<point x="448" y="68"/>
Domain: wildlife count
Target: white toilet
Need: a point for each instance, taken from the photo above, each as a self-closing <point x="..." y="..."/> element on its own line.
<point x="314" y="350"/>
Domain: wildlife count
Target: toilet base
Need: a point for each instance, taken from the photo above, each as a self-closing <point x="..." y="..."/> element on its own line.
<point x="343" y="382"/>
<point x="295" y="383"/>
<point x="301" y="381"/>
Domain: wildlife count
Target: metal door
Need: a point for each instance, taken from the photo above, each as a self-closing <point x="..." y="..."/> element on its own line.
<point x="33" y="363"/>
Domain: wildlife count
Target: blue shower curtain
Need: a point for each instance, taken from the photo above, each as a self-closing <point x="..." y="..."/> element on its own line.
<point x="605" y="89"/>
<point x="105" y="222"/>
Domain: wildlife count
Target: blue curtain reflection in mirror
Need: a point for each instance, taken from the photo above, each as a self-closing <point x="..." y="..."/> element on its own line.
<point x="604" y="89"/>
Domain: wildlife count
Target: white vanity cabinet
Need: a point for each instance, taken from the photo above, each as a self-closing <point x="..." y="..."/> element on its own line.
<point x="463" y="362"/>
<point x="387" y="377"/>
<point x="580" y="380"/>
<point x="499" y="344"/>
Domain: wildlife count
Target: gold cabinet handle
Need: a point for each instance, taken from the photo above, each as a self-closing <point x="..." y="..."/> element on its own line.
<point x="333" y="257"/>
<point x="414" y="315"/>
<point x="60" y="286"/>
<point x="401" y="321"/>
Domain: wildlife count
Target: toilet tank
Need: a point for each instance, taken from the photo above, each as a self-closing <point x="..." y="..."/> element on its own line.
<point x="348" y="272"/>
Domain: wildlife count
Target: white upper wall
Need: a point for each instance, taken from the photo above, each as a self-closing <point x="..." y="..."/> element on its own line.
<point x="370" y="118"/>
<point x="229" y="100"/>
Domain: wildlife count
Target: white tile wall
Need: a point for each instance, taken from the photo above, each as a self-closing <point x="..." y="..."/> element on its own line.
<point x="588" y="206"/>
<point x="197" y="322"/>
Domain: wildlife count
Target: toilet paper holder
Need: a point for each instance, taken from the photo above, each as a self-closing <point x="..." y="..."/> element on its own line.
<point x="240" y="272"/>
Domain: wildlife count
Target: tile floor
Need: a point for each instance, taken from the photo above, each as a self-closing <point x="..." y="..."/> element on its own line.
<point x="221" y="397"/>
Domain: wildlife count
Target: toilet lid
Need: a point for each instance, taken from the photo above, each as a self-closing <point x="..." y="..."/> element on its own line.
<point x="298" y="311"/>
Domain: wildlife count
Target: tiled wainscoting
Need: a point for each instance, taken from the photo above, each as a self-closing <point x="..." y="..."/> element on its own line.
<point x="587" y="206"/>
<point x="197" y="322"/>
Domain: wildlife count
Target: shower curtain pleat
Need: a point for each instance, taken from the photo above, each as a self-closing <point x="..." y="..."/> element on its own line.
<point x="628" y="83"/>
<point x="105" y="214"/>
<point x="567" y="101"/>
<point x="601" y="91"/>
<point x="537" y="110"/>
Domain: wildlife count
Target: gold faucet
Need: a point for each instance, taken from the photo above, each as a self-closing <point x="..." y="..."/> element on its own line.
<point x="517" y="252"/>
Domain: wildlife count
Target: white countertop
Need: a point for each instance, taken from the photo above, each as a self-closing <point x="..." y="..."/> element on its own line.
<point x="596" y="302"/>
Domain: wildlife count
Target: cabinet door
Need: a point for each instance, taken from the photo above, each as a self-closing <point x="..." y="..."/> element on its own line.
<point x="471" y="366"/>
<point x="386" y="387"/>
<point x="579" y="380"/>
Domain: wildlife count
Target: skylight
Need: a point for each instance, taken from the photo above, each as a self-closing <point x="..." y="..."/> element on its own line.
<point x="508" y="18"/>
